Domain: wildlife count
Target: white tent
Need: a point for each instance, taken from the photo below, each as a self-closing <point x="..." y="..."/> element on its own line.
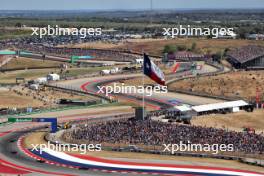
<point x="234" y="105"/>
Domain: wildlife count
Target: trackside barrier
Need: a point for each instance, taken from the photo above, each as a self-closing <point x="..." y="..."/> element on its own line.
<point x="38" y="111"/>
<point x="252" y="161"/>
<point x="57" y="109"/>
<point x="77" y="91"/>
<point x="206" y="95"/>
<point x="63" y="56"/>
<point x="53" y="121"/>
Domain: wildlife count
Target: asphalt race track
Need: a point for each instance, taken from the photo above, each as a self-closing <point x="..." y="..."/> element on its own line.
<point x="34" y="167"/>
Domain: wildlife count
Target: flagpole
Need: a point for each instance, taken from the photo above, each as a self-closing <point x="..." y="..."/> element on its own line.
<point x="151" y="70"/>
<point x="143" y="82"/>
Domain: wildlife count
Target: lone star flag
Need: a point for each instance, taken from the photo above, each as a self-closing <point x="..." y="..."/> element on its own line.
<point x="153" y="71"/>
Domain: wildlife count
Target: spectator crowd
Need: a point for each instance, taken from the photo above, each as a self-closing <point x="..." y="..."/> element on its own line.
<point x="246" y="53"/>
<point x="48" y="46"/>
<point x="156" y="133"/>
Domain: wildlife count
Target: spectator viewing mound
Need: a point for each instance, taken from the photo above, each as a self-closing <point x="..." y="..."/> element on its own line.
<point x="240" y="84"/>
<point x="154" y="133"/>
<point x="27" y="63"/>
<point x="10" y="98"/>
<point x="234" y="121"/>
<point x="247" y="56"/>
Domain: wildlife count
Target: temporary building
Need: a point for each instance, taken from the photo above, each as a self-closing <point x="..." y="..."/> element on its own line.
<point x="41" y="80"/>
<point x="53" y="77"/>
<point x="232" y="106"/>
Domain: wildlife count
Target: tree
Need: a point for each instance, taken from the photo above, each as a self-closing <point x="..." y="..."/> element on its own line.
<point x="242" y="33"/>
<point x="225" y="51"/>
<point x="182" y="48"/>
<point x="18" y="25"/>
<point x="169" y="49"/>
<point x="218" y="56"/>
<point x="193" y="47"/>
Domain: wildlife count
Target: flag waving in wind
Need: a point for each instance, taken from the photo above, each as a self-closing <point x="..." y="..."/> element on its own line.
<point x="153" y="71"/>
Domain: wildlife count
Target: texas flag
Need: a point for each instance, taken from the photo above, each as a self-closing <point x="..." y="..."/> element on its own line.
<point x="153" y="71"/>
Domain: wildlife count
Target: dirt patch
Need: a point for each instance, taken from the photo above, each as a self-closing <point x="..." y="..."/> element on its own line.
<point x="236" y="84"/>
<point x="33" y="139"/>
<point x="10" y="77"/>
<point x="203" y="45"/>
<point x="21" y="97"/>
<point x="234" y="121"/>
<point x="23" y="62"/>
<point x="155" y="46"/>
<point x="11" y="99"/>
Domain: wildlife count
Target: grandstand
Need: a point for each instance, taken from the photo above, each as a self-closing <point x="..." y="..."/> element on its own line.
<point x="247" y="57"/>
<point x="188" y="56"/>
<point x="148" y="133"/>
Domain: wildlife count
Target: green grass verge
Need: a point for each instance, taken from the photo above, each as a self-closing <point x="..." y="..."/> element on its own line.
<point x="68" y="108"/>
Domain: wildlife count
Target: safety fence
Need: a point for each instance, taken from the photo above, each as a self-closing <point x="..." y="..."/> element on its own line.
<point x="25" y="111"/>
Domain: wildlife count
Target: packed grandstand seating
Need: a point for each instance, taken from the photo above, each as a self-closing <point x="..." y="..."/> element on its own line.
<point x="157" y="133"/>
<point x="68" y="39"/>
<point x="33" y="45"/>
<point x="246" y="53"/>
<point x="47" y="45"/>
<point x="188" y="56"/>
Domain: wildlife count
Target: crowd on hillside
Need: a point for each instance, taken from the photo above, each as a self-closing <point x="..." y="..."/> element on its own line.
<point x="246" y="53"/>
<point x="157" y="133"/>
<point x="66" y="39"/>
<point x="47" y="47"/>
